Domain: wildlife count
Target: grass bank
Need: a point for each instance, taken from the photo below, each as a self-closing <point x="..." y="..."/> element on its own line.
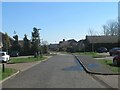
<point x="109" y="63"/>
<point x="6" y="73"/>
<point x="92" y="54"/>
<point x="26" y="59"/>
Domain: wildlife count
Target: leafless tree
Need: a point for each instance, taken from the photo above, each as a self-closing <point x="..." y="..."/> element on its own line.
<point x="91" y="33"/>
<point x="111" y="28"/>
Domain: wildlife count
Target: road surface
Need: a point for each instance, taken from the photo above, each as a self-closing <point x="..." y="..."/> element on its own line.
<point x="60" y="71"/>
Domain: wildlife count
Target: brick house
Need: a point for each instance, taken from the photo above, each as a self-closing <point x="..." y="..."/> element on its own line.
<point x="2" y="40"/>
<point x="96" y="42"/>
<point x="64" y="45"/>
<point x="54" y="47"/>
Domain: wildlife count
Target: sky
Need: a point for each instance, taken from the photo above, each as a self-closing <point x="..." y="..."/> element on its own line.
<point x="57" y="20"/>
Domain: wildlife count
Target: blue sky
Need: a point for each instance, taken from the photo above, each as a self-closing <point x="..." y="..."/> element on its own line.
<point x="57" y="20"/>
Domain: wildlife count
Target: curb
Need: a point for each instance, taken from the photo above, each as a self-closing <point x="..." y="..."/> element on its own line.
<point x="9" y="77"/>
<point x="46" y="58"/>
<point x="91" y="72"/>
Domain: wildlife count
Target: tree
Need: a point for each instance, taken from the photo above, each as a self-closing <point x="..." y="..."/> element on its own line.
<point x="91" y="34"/>
<point x="44" y="47"/>
<point x="36" y="41"/>
<point x="111" y="28"/>
<point x="16" y="46"/>
<point x="106" y="31"/>
<point x="6" y="43"/>
<point x="26" y="45"/>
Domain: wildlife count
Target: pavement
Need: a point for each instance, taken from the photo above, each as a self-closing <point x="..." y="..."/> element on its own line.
<point x="99" y="71"/>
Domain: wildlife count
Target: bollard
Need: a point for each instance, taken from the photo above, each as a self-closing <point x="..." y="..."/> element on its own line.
<point x="3" y="67"/>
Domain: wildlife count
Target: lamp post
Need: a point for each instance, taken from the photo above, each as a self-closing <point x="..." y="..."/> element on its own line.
<point x="119" y="24"/>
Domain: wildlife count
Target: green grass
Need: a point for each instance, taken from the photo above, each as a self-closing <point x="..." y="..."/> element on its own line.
<point x="92" y="54"/>
<point x="109" y="64"/>
<point x="6" y="73"/>
<point x="27" y="59"/>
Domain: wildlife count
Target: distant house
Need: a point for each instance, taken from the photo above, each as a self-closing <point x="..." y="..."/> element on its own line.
<point x="20" y="42"/>
<point x="54" y="47"/>
<point x="81" y="45"/>
<point x="2" y="40"/>
<point x="64" y="45"/>
<point x="100" y="41"/>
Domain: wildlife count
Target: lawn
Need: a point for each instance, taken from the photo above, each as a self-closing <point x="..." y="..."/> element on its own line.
<point x="26" y="59"/>
<point x="92" y="54"/>
<point x="109" y="64"/>
<point x="6" y="73"/>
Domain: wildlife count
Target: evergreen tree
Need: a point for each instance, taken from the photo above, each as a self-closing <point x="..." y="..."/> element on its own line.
<point x="35" y="41"/>
<point x="26" y="45"/>
<point x="16" y="46"/>
<point x="6" y="43"/>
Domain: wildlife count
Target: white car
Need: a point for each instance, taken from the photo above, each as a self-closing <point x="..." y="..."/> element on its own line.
<point x="4" y="57"/>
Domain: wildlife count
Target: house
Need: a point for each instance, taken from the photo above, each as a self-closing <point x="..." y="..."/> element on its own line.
<point x="81" y="45"/>
<point x="2" y="40"/>
<point x="64" y="45"/>
<point x="54" y="47"/>
<point x="20" y="42"/>
<point x="94" y="42"/>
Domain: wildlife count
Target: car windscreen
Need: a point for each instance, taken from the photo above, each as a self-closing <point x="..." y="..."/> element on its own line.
<point x="2" y="54"/>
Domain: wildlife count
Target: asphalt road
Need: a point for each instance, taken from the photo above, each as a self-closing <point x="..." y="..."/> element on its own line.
<point x="60" y="71"/>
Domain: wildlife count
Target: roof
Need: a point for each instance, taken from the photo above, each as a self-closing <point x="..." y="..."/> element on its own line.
<point x="102" y="39"/>
<point x="72" y="40"/>
<point x="2" y="39"/>
<point x="54" y="45"/>
<point x="21" y="42"/>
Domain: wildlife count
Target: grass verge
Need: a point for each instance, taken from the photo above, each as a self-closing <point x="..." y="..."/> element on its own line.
<point x="109" y="63"/>
<point x="27" y="59"/>
<point x="92" y="54"/>
<point x="6" y="73"/>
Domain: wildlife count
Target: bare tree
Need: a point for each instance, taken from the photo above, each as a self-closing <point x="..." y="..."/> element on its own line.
<point x="111" y="28"/>
<point x="91" y="33"/>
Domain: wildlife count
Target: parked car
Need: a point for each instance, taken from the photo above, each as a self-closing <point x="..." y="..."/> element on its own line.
<point x="116" y="60"/>
<point x="114" y="51"/>
<point x="14" y="54"/>
<point x="4" y="57"/>
<point x="102" y="50"/>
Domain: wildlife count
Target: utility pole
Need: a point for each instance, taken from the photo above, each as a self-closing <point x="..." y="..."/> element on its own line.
<point x="119" y="24"/>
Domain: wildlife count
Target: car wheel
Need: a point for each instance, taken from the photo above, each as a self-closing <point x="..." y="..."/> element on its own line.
<point x="110" y="54"/>
<point x="115" y="62"/>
